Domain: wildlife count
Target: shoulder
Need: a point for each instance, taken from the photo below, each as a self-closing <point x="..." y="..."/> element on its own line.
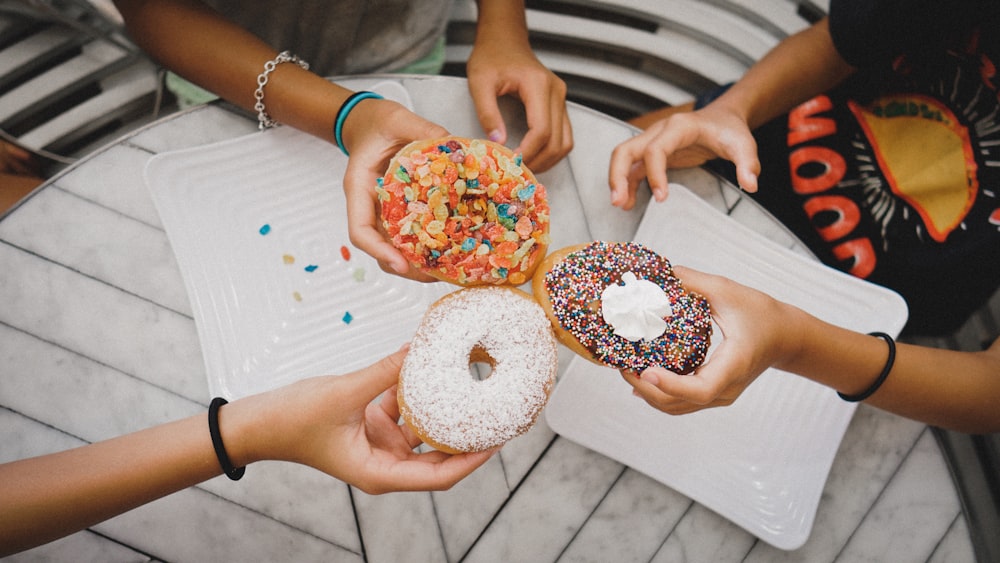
<point x="873" y="32"/>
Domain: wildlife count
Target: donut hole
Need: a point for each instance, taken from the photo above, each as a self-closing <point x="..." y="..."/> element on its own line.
<point x="481" y="364"/>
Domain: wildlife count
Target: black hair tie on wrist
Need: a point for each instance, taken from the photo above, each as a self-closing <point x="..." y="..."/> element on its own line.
<point x="234" y="473"/>
<point x="881" y="377"/>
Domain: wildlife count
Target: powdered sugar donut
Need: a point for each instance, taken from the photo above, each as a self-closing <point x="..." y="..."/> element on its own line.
<point x="619" y="304"/>
<point x="465" y="211"/>
<point x="438" y="396"/>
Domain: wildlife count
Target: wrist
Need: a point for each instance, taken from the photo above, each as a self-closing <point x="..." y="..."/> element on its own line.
<point x="244" y="425"/>
<point x="793" y="336"/>
<point x="346" y="108"/>
<point x="501" y="22"/>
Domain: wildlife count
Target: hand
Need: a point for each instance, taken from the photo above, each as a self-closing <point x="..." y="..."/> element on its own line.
<point x="754" y="327"/>
<point x="17" y="161"/>
<point x="374" y="132"/>
<point x="331" y="423"/>
<point x="682" y="140"/>
<point x="496" y="69"/>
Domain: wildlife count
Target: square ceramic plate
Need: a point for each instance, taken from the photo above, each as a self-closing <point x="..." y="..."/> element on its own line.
<point x="762" y="462"/>
<point x="258" y="226"/>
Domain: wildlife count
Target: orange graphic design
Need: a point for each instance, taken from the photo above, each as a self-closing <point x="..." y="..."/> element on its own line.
<point x="934" y="169"/>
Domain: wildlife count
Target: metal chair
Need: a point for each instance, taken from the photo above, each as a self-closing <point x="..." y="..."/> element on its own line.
<point x="70" y="79"/>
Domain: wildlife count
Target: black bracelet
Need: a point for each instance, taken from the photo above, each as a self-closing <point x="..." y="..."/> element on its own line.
<point x="881" y="377"/>
<point x="234" y="473"/>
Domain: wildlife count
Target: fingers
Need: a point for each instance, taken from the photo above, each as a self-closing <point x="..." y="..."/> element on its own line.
<point x="676" y="394"/>
<point x="632" y="161"/>
<point x="484" y="97"/>
<point x="430" y="471"/>
<point x="740" y="148"/>
<point x="550" y="134"/>
<point x="362" y="224"/>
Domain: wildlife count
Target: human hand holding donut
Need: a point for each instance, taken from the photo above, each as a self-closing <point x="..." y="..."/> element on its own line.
<point x="332" y="424"/>
<point x="370" y="149"/>
<point x="753" y="325"/>
<point x="620" y="305"/>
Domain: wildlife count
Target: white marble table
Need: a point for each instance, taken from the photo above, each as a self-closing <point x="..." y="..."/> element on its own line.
<point x="97" y="338"/>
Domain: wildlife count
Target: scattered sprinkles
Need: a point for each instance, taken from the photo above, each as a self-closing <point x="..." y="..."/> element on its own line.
<point x="288" y="259"/>
<point x="575" y="284"/>
<point x="465" y="211"/>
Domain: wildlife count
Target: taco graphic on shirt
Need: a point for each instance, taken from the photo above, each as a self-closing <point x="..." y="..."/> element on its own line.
<point x="933" y="168"/>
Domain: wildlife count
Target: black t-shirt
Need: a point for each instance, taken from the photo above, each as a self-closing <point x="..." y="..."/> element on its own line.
<point x="894" y="176"/>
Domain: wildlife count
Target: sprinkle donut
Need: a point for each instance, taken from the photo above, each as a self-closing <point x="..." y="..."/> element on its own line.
<point x="570" y="284"/>
<point x="465" y="211"/>
<point x="438" y="396"/>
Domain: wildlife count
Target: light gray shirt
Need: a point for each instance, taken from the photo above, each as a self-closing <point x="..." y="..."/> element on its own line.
<point x="338" y="37"/>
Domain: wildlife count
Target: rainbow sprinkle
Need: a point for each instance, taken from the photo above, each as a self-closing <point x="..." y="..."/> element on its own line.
<point x="575" y="284"/>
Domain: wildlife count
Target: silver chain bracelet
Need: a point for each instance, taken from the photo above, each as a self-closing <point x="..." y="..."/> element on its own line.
<point x="264" y="121"/>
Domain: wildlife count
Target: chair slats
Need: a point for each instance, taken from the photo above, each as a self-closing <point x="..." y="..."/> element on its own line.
<point x="63" y="80"/>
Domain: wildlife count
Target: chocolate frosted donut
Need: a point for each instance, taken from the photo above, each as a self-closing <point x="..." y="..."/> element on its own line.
<point x="571" y="283"/>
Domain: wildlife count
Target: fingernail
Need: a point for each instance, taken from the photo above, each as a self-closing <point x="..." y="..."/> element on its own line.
<point x="494" y="135"/>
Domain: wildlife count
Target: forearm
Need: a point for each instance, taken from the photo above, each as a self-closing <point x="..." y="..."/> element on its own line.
<point x="50" y="496"/>
<point x="947" y="388"/>
<point x="800" y="67"/>
<point x="502" y="22"/>
<point x="47" y="497"/>
<point x="200" y="45"/>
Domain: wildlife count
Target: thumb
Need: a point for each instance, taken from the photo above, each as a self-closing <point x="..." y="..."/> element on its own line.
<point x="368" y="383"/>
<point x="488" y="111"/>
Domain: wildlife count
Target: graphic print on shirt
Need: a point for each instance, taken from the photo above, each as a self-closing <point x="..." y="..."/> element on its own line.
<point x="910" y="174"/>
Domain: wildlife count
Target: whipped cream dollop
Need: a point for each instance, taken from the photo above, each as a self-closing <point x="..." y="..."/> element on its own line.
<point x="636" y="309"/>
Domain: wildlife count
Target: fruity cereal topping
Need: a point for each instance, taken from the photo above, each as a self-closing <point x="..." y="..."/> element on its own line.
<point x="466" y="211"/>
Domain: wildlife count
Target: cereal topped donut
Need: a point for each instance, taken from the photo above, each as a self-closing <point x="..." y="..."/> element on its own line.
<point x="438" y="396"/>
<point x="620" y="305"/>
<point x="465" y="211"/>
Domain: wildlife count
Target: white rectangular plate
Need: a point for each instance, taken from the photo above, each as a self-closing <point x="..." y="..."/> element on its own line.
<point x="762" y="462"/>
<point x="263" y="319"/>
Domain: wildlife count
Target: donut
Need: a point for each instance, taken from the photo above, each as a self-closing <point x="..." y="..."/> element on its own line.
<point x="465" y="211"/>
<point x="438" y="396"/>
<point x="654" y="320"/>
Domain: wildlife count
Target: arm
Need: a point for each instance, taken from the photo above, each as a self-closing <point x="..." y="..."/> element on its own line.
<point x="947" y="388"/>
<point x="199" y="44"/>
<point x="328" y="423"/>
<point x="800" y="67"/>
<point x="502" y="62"/>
